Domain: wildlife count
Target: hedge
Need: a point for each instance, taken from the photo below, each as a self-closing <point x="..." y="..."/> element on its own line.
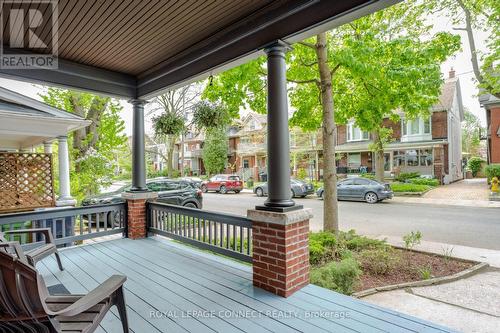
<point x="492" y="170"/>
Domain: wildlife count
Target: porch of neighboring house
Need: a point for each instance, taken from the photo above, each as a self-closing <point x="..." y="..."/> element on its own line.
<point x="428" y="160"/>
<point x="170" y="279"/>
<point x="27" y="170"/>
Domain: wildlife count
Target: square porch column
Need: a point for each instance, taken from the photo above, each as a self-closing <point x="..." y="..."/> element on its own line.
<point x="280" y="228"/>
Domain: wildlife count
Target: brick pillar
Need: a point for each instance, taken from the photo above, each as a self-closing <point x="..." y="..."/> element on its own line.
<point x="439" y="163"/>
<point x="136" y="213"/>
<point x="280" y="250"/>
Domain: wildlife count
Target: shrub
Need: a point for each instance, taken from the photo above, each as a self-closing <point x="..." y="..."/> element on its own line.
<point x="475" y="165"/>
<point x="412" y="239"/>
<point x="404" y="176"/>
<point x="368" y="175"/>
<point x="322" y="247"/>
<point x="339" y="276"/>
<point x="302" y="174"/>
<point x="492" y="170"/>
<point x="408" y="187"/>
<point x="378" y="261"/>
<point x="424" y="181"/>
<point x="249" y="182"/>
<point x="316" y="252"/>
<point x="359" y="243"/>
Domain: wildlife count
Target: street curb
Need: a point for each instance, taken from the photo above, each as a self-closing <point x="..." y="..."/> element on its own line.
<point x="434" y="281"/>
<point x="412" y="194"/>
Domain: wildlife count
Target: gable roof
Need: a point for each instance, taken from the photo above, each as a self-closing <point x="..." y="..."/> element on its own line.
<point x="15" y="102"/>
<point x="449" y="90"/>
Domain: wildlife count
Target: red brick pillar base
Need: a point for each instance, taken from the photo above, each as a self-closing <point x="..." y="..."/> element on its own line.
<point x="280" y="250"/>
<point x="439" y="163"/>
<point x="136" y="212"/>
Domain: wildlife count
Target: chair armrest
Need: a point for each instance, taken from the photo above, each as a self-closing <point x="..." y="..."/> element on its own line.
<point x="45" y="231"/>
<point x="17" y="249"/>
<point x="105" y="290"/>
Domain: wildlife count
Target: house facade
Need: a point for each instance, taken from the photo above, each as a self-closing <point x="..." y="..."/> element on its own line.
<point x="492" y="106"/>
<point x="429" y="145"/>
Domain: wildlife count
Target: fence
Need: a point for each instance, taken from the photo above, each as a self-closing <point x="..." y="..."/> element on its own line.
<point x="25" y="181"/>
<point x="226" y="234"/>
<point x="68" y="225"/>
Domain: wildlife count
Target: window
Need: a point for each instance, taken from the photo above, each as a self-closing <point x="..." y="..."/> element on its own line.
<point x="426" y="157"/>
<point x="234" y="178"/>
<point x="399" y="158"/>
<point x="361" y="181"/>
<point x="354" y="133"/>
<point x="252" y="125"/>
<point x="246" y="164"/>
<point x="417" y="126"/>
<point x="354" y="159"/>
<point x="346" y="182"/>
<point x="412" y="157"/>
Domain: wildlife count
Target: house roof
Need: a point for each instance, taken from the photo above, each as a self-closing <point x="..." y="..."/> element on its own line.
<point x="450" y="89"/>
<point x="488" y="100"/>
<point x="21" y="117"/>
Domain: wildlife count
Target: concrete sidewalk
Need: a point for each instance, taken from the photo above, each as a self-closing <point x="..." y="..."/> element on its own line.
<point x="467" y="305"/>
<point x="448" y="202"/>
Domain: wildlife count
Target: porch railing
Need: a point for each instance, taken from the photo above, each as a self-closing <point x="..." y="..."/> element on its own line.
<point x="68" y="225"/>
<point x="226" y="234"/>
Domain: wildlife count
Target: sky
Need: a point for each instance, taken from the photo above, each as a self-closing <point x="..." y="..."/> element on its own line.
<point x="460" y="62"/>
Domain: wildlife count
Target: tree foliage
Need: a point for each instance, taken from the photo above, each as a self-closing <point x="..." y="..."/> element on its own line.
<point x="94" y="149"/>
<point x="471" y="16"/>
<point x="471" y="134"/>
<point x="215" y="150"/>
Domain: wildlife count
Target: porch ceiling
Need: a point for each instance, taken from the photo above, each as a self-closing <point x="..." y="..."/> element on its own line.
<point x="136" y="48"/>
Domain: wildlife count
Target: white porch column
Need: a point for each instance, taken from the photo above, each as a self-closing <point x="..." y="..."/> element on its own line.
<point x="47" y="147"/>
<point x="65" y="198"/>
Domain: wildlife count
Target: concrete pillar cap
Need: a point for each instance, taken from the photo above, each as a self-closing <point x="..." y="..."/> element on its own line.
<point x="285" y="218"/>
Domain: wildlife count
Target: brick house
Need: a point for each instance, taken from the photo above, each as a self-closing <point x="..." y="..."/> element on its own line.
<point x="492" y="106"/>
<point x="430" y="146"/>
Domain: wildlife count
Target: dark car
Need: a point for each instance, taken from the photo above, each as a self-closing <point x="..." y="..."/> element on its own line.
<point x="223" y="183"/>
<point x="361" y="189"/>
<point x="298" y="188"/>
<point x="193" y="180"/>
<point x="170" y="191"/>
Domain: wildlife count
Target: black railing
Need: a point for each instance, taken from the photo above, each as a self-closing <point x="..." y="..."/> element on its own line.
<point x="68" y="225"/>
<point x="230" y="235"/>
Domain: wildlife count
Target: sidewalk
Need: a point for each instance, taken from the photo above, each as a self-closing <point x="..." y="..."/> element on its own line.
<point x="448" y="202"/>
<point x="467" y="305"/>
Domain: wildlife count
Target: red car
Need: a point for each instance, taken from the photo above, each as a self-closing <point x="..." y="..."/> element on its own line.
<point x="223" y="184"/>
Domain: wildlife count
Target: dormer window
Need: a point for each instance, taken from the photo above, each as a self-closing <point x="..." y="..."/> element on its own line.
<point x="354" y="133"/>
<point x="252" y="125"/>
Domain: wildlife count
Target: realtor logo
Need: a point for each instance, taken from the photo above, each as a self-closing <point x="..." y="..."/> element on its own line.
<point x="29" y="34"/>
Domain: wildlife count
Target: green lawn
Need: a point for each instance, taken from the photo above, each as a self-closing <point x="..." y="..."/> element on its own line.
<point x="408" y="187"/>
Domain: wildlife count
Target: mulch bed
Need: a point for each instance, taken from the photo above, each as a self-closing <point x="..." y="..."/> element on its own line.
<point x="410" y="268"/>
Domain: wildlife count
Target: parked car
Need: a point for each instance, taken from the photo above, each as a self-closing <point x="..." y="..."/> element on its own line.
<point x="223" y="183"/>
<point x="193" y="180"/>
<point x="298" y="188"/>
<point x="170" y="191"/>
<point x="362" y="189"/>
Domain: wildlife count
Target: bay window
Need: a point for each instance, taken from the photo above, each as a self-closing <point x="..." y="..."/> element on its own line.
<point x="354" y="133"/>
<point x="416" y="129"/>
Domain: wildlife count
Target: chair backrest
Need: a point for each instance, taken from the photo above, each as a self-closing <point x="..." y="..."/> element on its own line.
<point x="20" y="295"/>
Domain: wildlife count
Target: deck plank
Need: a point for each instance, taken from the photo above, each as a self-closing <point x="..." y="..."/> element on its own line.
<point x="203" y="293"/>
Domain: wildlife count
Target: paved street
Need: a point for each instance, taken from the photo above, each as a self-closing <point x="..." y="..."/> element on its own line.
<point x="468" y="226"/>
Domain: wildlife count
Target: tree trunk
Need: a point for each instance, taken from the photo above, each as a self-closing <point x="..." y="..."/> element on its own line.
<point x="170" y="154"/>
<point x="330" y="207"/>
<point x="472" y="47"/>
<point x="378" y="157"/>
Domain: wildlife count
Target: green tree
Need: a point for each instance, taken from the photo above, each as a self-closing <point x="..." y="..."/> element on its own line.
<point x="471" y="134"/>
<point x="95" y="149"/>
<point x="215" y="150"/>
<point x="213" y="118"/>
<point x="365" y="70"/>
<point x="471" y="16"/>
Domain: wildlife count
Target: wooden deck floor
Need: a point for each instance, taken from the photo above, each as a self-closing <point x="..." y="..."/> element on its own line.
<point x="174" y="288"/>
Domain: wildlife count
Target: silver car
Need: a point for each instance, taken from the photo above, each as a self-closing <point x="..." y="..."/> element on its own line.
<point x="361" y="189"/>
<point x="298" y="188"/>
